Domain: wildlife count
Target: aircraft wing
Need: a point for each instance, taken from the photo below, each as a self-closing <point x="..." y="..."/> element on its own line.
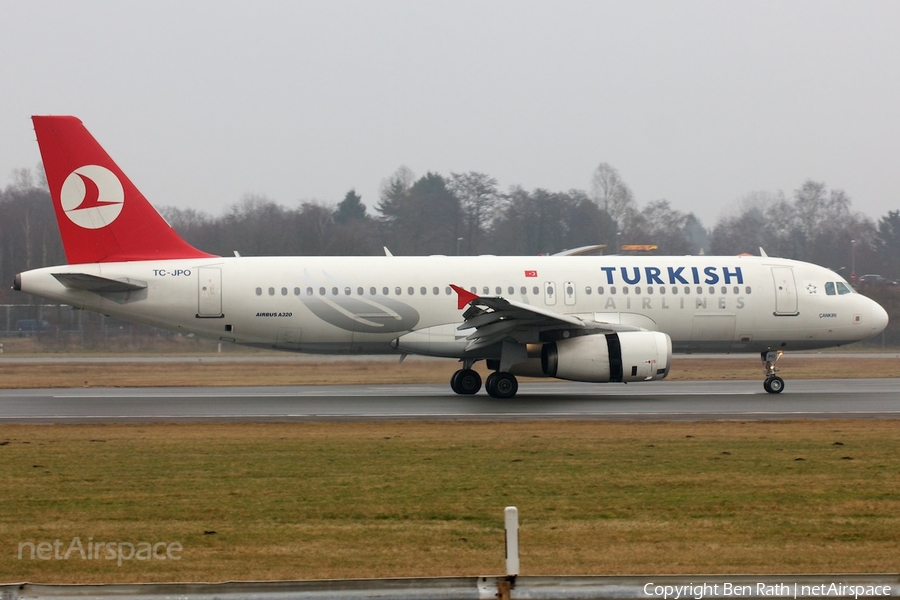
<point x="494" y="318"/>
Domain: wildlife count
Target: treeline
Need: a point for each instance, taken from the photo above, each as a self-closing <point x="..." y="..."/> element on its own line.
<point x="466" y="213"/>
<point x="29" y="237"/>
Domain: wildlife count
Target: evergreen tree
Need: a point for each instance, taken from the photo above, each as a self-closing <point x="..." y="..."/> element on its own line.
<point x="350" y="209"/>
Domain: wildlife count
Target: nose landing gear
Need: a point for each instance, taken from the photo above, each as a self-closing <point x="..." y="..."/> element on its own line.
<point x="773" y="383"/>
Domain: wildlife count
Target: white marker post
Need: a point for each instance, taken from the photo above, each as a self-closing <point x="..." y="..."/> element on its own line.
<point x="511" y="514"/>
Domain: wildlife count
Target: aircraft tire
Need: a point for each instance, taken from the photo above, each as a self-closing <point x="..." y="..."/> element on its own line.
<point x="774" y="385"/>
<point x="465" y="382"/>
<point x="501" y="385"/>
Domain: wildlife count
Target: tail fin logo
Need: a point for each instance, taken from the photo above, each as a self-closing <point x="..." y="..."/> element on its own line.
<point x="92" y="197"/>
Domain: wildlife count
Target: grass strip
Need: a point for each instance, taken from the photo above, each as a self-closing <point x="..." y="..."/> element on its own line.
<point x="197" y="372"/>
<point x="336" y="500"/>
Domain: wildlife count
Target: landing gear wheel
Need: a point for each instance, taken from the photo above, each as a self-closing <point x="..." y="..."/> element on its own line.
<point x="774" y="385"/>
<point x="465" y="382"/>
<point x="501" y="385"/>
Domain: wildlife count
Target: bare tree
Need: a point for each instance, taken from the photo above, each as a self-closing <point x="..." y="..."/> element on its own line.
<point x="658" y="223"/>
<point x="478" y="199"/>
<point x="612" y="194"/>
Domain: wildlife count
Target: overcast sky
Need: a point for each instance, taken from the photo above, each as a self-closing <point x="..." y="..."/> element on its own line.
<point x="699" y="103"/>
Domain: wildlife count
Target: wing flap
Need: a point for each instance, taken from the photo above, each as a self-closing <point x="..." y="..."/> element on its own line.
<point x="494" y="319"/>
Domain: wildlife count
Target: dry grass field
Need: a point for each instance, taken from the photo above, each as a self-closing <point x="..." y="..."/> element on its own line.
<point x="200" y="371"/>
<point x="301" y="501"/>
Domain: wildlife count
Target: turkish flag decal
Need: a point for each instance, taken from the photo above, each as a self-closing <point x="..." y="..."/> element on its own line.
<point x="530" y="273"/>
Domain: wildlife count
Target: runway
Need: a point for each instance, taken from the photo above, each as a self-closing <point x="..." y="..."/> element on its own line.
<point x="653" y="401"/>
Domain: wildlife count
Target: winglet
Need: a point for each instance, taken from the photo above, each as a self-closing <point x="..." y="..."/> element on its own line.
<point x="464" y="297"/>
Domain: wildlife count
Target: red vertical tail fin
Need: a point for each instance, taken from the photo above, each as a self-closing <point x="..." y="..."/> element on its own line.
<point x="102" y="216"/>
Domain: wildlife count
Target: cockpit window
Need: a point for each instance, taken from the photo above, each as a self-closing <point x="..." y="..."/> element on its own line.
<point x="838" y="288"/>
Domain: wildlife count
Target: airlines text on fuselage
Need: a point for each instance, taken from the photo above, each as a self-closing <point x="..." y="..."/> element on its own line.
<point x="672" y="275"/>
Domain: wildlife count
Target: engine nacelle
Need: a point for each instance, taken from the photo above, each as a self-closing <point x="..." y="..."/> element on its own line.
<point x="614" y="357"/>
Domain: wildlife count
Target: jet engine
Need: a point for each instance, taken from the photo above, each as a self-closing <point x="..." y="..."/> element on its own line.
<point x="613" y="357"/>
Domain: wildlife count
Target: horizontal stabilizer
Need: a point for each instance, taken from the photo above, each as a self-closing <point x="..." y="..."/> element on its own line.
<point x="99" y="285"/>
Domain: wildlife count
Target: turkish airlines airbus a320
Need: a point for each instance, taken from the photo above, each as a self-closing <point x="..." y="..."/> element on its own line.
<point x="595" y="319"/>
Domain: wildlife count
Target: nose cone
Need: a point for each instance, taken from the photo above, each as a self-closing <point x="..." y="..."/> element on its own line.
<point x="878" y="318"/>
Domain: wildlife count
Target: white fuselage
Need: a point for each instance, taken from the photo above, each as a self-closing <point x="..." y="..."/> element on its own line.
<point x="363" y="304"/>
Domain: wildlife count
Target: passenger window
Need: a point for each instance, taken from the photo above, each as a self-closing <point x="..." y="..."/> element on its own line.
<point x="385" y="291"/>
<point x="347" y="291"/>
<point x="612" y="290"/>
<point x="747" y="289"/>
<point x="372" y="291"/>
<point x="334" y="291"/>
<point x="259" y="291"/>
<point x="411" y="291"/>
<point x="737" y="290"/>
<point x="498" y="290"/>
<point x="523" y="290"/>
<point x="625" y="289"/>
<point x="487" y="290"/>
<point x="436" y="291"/>
<point x="271" y="291"/>
<point x="360" y="291"/>
<point x="296" y="291"/>
<point x="724" y="290"/>
<point x="535" y="290"/>
<point x="284" y="291"/>
<point x="600" y="290"/>
<point x="674" y="290"/>
<point x="510" y="290"/>
<point x="398" y="290"/>
<point x="588" y="290"/>
<point x="662" y="290"/>
<point x="448" y="290"/>
<point x="309" y="291"/>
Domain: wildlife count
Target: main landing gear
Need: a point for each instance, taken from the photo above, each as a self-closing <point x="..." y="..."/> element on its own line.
<point x="501" y="385"/>
<point x="773" y="383"/>
<point x="467" y="381"/>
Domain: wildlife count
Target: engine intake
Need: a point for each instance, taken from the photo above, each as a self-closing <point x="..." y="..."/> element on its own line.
<point x="614" y="357"/>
